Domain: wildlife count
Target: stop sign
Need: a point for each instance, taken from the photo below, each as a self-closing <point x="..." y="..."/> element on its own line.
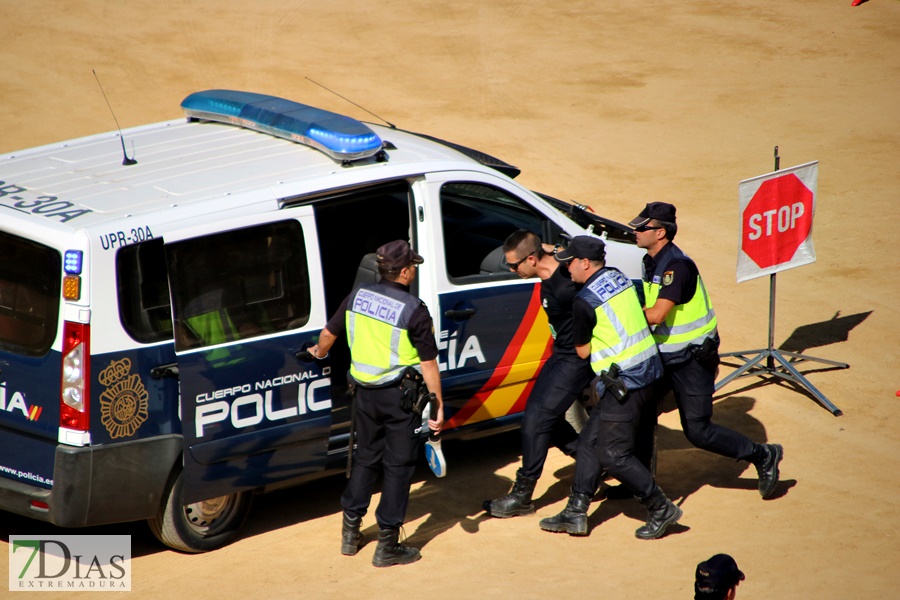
<point x="777" y="220"/>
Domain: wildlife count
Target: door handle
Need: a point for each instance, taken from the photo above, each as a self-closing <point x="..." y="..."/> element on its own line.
<point x="163" y="371"/>
<point x="305" y="355"/>
<point x="459" y="315"/>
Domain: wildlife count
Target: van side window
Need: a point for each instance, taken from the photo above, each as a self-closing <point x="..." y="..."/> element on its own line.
<point x="30" y="275"/>
<point x="477" y="218"/>
<point x="143" y="289"/>
<point x="239" y="284"/>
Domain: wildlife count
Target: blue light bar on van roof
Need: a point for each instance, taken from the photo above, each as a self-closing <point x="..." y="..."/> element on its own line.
<point x="340" y="137"/>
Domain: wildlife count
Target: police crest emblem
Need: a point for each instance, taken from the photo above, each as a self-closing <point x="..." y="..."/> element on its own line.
<point x="123" y="404"/>
<point x="668" y="277"/>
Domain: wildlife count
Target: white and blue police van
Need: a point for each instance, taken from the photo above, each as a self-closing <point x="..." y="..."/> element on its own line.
<point x="154" y="309"/>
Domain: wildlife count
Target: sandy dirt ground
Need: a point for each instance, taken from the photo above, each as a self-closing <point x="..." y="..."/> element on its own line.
<point x="611" y="104"/>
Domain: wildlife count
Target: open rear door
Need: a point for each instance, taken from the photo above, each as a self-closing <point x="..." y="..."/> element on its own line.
<point x="243" y="300"/>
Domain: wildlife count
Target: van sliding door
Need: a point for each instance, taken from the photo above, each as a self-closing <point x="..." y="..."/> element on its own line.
<point x="252" y="414"/>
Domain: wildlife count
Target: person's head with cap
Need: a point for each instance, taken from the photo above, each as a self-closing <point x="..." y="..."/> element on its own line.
<point x="393" y="258"/>
<point x="584" y="256"/>
<point x="717" y="578"/>
<point x="654" y="225"/>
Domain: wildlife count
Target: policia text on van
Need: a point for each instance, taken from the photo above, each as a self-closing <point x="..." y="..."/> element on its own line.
<point x="150" y="313"/>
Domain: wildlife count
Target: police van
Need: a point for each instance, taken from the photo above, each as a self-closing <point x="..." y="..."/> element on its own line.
<point x="154" y="308"/>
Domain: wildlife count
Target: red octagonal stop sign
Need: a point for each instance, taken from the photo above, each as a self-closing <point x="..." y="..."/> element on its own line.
<point x="776" y="220"/>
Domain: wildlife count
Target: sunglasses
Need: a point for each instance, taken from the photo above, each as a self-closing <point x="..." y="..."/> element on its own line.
<point x="643" y="228"/>
<point x="514" y="267"/>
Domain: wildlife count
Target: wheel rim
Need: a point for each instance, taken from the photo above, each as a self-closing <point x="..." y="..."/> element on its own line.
<point x="209" y="516"/>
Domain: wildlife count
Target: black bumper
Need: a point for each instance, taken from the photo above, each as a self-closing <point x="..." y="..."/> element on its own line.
<point x="96" y="485"/>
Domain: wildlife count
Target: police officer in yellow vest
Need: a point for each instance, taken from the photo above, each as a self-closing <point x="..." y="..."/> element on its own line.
<point x="388" y="330"/>
<point x="679" y="310"/>
<point x="610" y="330"/>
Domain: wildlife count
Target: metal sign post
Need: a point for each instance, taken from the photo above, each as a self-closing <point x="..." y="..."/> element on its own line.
<point x="773" y="363"/>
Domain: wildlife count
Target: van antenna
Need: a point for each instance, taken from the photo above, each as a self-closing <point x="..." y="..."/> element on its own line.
<point x="125" y="160"/>
<point x="391" y="125"/>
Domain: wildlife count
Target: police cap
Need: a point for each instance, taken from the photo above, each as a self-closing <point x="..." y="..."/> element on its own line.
<point x="717" y="574"/>
<point x="661" y="211"/>
<point x="583" y="246"/>
<point x="396" y="255"/>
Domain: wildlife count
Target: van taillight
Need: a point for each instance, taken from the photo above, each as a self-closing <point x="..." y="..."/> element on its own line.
<point x="74" y="400"/>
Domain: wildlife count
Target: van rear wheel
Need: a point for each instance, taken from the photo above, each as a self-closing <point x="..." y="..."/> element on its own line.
<point x="199" y="526"/>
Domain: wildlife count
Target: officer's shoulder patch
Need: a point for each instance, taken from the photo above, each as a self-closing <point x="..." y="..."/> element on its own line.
<point x="668" y="277"/>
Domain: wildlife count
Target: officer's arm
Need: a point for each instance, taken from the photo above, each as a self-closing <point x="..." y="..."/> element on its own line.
<point x="679" y="285"/>
<point x="432" y="376"/>
<point x="657" y="313"/>
<point x="583" y="322"/>
<point x="326" y="340"/>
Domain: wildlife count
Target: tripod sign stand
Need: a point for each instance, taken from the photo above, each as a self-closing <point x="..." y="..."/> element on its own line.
<point x="782" y="215"/>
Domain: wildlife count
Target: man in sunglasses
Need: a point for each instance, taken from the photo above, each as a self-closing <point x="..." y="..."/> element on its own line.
<point x="680" y="313"/>
<point x="560" y="382"/>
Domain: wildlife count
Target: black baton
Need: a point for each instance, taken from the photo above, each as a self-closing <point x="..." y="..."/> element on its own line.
<point x="351" y="391"/>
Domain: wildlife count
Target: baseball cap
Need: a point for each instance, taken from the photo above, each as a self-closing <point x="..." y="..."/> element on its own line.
<point x="717" y="574"/>
<point x="396" y="255"/>
<point x="583" y="246"/>
<point x="661" y="211"/>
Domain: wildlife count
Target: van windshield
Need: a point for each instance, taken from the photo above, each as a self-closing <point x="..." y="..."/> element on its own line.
<point x="30" y="275"/>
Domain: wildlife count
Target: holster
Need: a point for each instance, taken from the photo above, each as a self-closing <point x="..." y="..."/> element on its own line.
<point x="412" y="388"/>
<point x="707" y="353"/>
<point x="614" y="383"/>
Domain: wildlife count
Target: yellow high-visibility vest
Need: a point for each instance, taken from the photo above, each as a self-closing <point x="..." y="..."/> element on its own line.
<point x="621" y="335"/>
<point x="377" y="321"/>
<point x="686" y="324"/>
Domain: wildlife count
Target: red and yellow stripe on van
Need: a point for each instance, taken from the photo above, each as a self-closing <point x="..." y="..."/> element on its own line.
<point x="509" y="385"/>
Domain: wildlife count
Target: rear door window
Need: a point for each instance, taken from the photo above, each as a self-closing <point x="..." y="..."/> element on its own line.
<point x="30" y="275"/>
<point x="239" y="284"/>
<point x="143" y="289"/>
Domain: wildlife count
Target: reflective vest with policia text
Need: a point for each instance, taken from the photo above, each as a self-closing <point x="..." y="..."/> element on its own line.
<point x="377" y="328"/>
<point x="621" y="335"/>
<point x="686" y="325"/>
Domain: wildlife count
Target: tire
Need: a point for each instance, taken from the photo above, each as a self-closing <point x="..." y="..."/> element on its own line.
<point x="199" y="526"/>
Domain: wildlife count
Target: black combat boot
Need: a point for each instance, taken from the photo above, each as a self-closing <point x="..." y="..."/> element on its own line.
<point x="517" y="502"/>
<point x="660" y="514"/>
<point x="351" y="538"/>
<point x="766" y="458"/>
<point x="390" y="552"/>
<point x="573" y="518"/>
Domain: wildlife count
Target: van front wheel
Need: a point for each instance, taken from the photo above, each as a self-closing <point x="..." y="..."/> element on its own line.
<point x="199" y="526"/>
